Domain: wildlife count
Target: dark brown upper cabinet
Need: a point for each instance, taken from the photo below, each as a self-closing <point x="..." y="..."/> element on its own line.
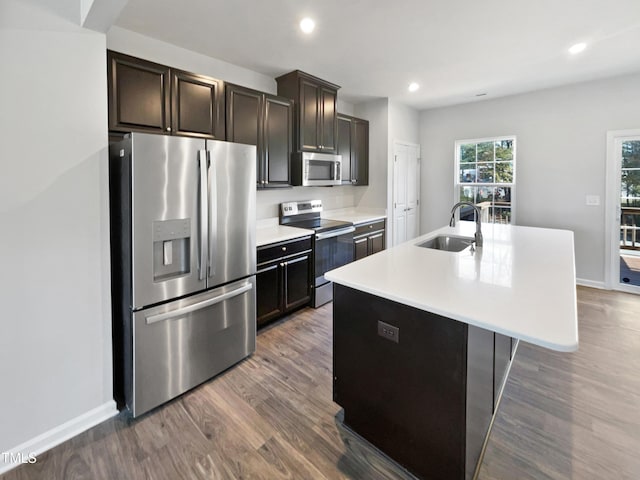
<point x="197" y="105"/>
<point x="266" y="121"/>
<point x="149" y="97"/>
<point x="315" y="122"/>
<point x="139" y="94"/>
<point x="353" y="145"/>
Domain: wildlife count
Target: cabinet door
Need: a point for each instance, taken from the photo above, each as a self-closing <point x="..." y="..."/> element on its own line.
<point x="278" y="140"/>
<point x="197" y="106"/>
<point x="360" y="155"/>
<point x="328" y="123"/>
<point x="138" y="94"/>
<point x="360" y="248"/>
<point x="244" y="117"/>
<point x="344" y="147"/>
<point x="309" y="122"/>
<point x="297" y="282"/>
<point x="376" y="243"/>
<point x="268" y="292"/>
<point x="502" y="357"/>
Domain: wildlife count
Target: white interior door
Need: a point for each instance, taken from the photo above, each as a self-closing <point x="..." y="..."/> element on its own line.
<point x="623" y="210"/>
<point x="406" y="192"/>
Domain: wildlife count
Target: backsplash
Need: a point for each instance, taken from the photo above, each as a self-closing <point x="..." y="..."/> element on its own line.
<point x="268" y="201"/>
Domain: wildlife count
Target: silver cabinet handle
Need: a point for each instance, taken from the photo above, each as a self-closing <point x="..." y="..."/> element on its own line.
<point x="204" y="214"/>
<point x="335" y="233"/>
<point x="198" y="306"/>
<point x="296" y="260"/>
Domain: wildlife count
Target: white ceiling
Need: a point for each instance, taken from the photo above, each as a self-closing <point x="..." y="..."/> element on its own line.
<point x="455" y="49"/>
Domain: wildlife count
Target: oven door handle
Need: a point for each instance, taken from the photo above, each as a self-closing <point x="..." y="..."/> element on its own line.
<point x="335" y="233"/>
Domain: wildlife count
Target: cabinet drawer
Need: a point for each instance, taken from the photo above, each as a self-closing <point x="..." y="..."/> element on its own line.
<point x="369" y="227"/>
<point x="282" y="249"/>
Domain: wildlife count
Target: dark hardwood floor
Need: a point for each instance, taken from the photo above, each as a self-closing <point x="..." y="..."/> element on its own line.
<point x="562" y="416"/>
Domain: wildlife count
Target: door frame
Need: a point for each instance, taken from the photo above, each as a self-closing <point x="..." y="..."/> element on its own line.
<point x="612" y="210"/>
<point x="392" y="192"/>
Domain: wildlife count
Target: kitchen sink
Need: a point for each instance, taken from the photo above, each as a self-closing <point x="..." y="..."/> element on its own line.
<point x="447" y="243"/>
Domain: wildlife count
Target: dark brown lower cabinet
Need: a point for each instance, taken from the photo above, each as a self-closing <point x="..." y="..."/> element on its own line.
<point x="419" y="386"/>
<point x="283" y="280"/>
<point x="501" y="361"/>
<point x="368" y="239"/>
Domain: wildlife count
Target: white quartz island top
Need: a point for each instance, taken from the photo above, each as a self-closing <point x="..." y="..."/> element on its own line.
<point x="269" y="231"/>
<point x="521" y="283"/>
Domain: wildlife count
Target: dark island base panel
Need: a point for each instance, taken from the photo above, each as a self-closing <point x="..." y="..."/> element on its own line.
<point x="400" y="375"/>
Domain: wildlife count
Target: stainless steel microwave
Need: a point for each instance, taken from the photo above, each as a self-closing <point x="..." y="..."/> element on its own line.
<point x="311" y="169"/>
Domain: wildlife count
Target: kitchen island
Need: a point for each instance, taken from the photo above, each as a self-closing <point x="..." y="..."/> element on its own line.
<point x="424" y="338"/>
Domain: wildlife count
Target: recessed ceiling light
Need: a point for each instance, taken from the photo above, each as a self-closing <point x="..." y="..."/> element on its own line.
<point x="577" y="48"/>
<point x="413" y="87"/>
<point x="307" y="25"/>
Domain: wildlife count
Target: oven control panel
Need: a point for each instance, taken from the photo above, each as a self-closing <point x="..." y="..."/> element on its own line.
<point x="288" y="209"/>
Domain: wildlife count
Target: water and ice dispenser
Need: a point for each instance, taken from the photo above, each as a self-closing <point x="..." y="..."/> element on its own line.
<point x="171" y="248"/>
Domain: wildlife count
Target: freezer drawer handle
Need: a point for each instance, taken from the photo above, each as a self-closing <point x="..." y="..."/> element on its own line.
<point x="197" y="306"/>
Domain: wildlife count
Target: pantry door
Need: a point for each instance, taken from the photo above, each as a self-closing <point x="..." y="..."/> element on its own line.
<point x="406" y="192"/>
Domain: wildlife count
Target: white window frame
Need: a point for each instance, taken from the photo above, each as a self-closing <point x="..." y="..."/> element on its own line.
<point x="456" y="172"/>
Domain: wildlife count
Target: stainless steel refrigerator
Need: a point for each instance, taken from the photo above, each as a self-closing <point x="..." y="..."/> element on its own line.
<point x="183" y="263"/>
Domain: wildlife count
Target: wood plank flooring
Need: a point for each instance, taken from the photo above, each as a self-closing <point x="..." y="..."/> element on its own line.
<point x="562" y="416"/>
<point x="577" y="415"/>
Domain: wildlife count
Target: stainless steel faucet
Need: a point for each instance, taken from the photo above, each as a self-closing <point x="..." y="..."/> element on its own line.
<point x="452" y="222"/>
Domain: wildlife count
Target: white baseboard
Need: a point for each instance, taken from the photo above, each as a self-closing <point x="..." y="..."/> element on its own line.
<point x="59" y="434"/>
<point x="591" y="283"/>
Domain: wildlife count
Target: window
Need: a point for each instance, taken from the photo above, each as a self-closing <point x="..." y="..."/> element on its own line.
<point x="485" y="174"/>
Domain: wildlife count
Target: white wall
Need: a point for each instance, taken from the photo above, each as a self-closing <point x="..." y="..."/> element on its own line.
<point x="404" y="123"/>
<point x="55" y="344"/>
<point x="377" y="112"/>
<point x="131" y="43"/>
<point x="561" y="151"/>
<point x="344" y="107"/>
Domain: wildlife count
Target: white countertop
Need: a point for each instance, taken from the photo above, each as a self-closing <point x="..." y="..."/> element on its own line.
<point x="521" y="283"/>
<point x="269" y="231"/>
<point x="355" y="215"/>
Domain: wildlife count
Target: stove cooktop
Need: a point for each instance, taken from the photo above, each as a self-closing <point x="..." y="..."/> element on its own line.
<point x="320" y="224"/>
<point x="306" y="214"/>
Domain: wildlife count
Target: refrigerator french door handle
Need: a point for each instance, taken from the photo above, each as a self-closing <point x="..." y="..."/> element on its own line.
<point x="198" y="306"/>
<point x="213" y="215"/>
<point x="204" y="214"/>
